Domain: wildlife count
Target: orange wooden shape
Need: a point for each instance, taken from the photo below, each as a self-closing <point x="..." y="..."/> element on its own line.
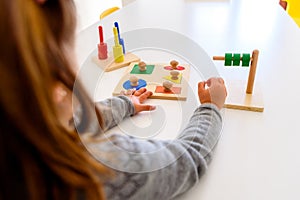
<point x="174" y="90"/>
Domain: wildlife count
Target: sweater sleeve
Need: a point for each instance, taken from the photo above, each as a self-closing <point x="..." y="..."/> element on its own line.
<point x="114" y="110"/>
<point x="159" y="169"/>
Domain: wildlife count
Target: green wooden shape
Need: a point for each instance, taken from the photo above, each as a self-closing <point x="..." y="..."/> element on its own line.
<point x="136" y="70"/>
<point x="246" y="60"/>
<point x="236" y="59"/>
<point x="228" y="59"/>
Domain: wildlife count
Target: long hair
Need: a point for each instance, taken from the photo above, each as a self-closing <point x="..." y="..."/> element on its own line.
<point x="39" y="158"/>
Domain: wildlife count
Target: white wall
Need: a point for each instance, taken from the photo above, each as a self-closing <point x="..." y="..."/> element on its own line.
<point x="88" y="11"/>
<point x="126" y="2"/>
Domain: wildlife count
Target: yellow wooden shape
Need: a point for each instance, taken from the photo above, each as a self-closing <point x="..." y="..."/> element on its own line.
<point x="177" y="81"/>
<point x="108" y="11"/>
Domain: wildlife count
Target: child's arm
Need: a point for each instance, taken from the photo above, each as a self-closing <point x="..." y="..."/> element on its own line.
<point x="156" y="169"/>
<point x="115" y="109"/>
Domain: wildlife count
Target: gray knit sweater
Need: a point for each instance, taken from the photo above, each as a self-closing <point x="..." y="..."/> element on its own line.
<point x="155" y="169"/>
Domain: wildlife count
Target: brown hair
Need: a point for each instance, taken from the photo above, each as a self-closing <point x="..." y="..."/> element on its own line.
<point x="39" y="158"/>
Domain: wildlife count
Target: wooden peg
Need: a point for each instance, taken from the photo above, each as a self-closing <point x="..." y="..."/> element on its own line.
<point x="174" y="64"/>
<point x="218" y="58"/>
<point x="252" y="72"/>
<point x="102" y="46"/>
<point x="142" y="65"/>
<point x="174" y="75"/>
<point x="134" y="81"/>
<point x="167" y="86"/>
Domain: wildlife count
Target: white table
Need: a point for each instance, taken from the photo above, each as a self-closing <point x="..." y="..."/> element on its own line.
<point x="258" y="154"/>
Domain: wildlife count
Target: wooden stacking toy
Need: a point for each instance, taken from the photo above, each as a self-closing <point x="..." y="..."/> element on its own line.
<point x="236" y="98"/>
<point x="117" y="58"/>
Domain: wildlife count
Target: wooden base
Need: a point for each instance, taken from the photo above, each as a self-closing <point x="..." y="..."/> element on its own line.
<point x="109" y="64"/>
<point x="237" y="97"/>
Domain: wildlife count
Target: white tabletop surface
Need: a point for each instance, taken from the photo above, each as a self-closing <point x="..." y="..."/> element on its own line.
<point x="257" y="156"/>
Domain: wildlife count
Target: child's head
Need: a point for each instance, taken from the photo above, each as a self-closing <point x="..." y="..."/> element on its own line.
<point x="39" y="158"/>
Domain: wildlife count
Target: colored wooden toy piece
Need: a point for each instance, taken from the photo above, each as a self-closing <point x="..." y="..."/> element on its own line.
<point x="134" y="81"/>
<point x="174" y="64"/>
<point x="167" y="86"/>
<point x="116" y="59"/>
<point x="174" y="80"/>
<point x="117" y="49"/>
<point x="246" y="60"/>
<point x="174" y="75"/>
<point x="121" y="40"/>
<point x="142" y="65"/>
<point x="228" y="59"/>
<point x="102" y="46"/>
<point x="173" y="91"/>
<point x="154" y="81"/>
<point x="237" y="99"/>
<point x="137" y="70"/>
<point x="236" y="59"/>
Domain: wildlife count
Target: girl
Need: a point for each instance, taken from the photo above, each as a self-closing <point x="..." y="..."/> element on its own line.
<point x="41" y="153"/>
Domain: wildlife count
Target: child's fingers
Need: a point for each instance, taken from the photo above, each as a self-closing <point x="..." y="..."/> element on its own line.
<point x="221" y="80"/>
<point x="201" y="87"/>
<point x="214" y="80"/>
<point x="147" y="107"/>
<point x="140" y="91"/>
<point x="145" y="96"/>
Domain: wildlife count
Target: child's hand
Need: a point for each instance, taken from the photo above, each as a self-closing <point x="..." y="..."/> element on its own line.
<point x="138" y="98"/>
<point x="215" y="93"/>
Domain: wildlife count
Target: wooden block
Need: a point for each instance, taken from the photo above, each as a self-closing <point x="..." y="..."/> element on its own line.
<point x="109" y="64"/>
<point x="237" y="98"/>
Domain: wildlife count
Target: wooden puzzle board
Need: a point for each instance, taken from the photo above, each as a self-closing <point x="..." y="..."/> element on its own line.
<point x="155" y="75"/>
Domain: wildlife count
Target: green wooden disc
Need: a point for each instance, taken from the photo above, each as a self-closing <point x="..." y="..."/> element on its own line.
<point x="236" y="59"/>
<point x="246" y="59"/>
<point x="228" y="59"/>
